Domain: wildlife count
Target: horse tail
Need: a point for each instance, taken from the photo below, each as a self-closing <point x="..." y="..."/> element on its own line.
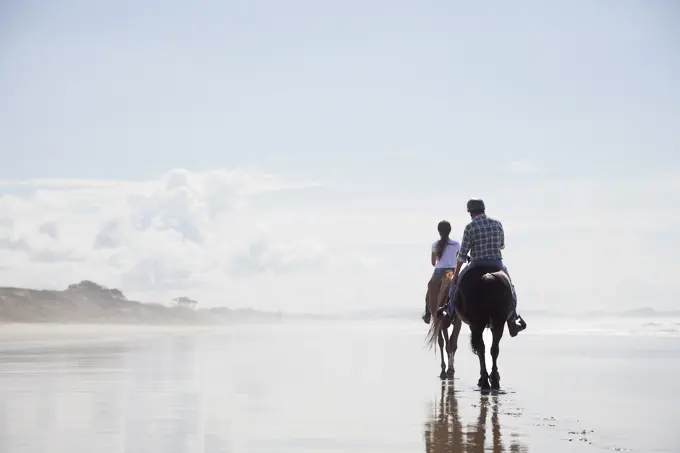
<point x="489" y="283"/>
<point x="434" y="330"/>
<point x="492" y="286"/>
<point x="476" y="341"/>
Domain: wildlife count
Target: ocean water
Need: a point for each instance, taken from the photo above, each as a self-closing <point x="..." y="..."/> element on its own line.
<point x="336" y="387"/>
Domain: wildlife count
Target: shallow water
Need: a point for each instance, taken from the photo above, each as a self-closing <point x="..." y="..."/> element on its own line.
<point x="330" y="387"/>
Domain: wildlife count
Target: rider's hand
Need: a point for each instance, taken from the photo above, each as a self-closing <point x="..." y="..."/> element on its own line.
<point x="454" y="279"/>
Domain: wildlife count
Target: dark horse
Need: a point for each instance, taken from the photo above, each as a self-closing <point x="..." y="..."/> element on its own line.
<point x="483" y="299"/>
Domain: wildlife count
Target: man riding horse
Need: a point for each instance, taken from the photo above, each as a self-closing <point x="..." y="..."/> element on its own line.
<point x="483" y="239"/>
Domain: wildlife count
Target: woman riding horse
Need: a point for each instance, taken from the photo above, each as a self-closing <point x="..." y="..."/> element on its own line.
<point x="443" y="258"/>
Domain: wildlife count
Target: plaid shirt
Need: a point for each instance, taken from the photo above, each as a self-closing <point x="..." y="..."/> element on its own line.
<point x="483" y="238"/>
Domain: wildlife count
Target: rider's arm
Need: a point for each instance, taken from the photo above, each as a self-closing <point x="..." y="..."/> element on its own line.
<point x="433" y="258"/>
<point x="457" y="269"/>
<point x="465" y="246"/>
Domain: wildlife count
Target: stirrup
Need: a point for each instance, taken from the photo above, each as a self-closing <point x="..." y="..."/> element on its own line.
<point x="521" y="322"/>
<point x="426" y="317"/>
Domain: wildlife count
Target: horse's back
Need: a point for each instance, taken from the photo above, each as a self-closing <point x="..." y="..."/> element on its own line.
<point x="481" y="278"/>
<point x="496" y="278"/>
<point x="438" y="290"/>
<point x="486" y="294"/>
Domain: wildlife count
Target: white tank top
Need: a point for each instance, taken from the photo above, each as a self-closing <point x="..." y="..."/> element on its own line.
<point x="449" y="256"/>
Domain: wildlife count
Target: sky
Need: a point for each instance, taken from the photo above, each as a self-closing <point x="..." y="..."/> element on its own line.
<point x="298" y="155"/>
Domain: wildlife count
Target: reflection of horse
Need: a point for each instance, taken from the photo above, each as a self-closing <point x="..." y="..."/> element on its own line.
<point x="438" y="296"/>
<point x="444" y="431"/>
<point x="483" y="299"/>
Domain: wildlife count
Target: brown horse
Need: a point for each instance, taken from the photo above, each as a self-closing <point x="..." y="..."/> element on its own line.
<point x="483" y="299"/>
<point x="436" y="298"/>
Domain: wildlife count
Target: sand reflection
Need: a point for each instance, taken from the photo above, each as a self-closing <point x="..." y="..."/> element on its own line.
<point x="444" y="432"/>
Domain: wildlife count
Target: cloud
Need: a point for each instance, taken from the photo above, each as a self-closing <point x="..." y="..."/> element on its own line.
<point x="14" y="244"/>
<point x="261" y="255"/>
<point x="110" y="236"/>
<point x="50" y="229"/>
<point x="247" y="238"/>
<point x="184" y="231"/>
<point x="309" y="256"/>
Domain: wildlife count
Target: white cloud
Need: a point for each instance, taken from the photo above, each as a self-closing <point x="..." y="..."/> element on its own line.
<point x="193" y="232"/>
<point x="50" y="229"/>
<point x="252" y="239"/>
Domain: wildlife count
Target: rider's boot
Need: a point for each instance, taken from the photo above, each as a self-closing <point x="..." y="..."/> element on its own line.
<point x="515" y="322"/>
<point x="426" y="315"/>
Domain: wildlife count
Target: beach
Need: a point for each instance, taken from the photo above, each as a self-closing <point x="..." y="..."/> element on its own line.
<point x="610" y="385"/>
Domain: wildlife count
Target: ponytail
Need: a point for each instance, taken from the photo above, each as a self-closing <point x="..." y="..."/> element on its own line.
<point x="444" y="229"/>
<point x="441" y="246"/>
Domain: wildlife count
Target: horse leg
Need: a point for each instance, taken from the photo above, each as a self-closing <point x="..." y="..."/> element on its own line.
<point x="453" y="345"/>
<point x="477" y="343"/>
<point x="497" y="333"/>
<point x="445" y="335"/>
<point x="440" y="340"/>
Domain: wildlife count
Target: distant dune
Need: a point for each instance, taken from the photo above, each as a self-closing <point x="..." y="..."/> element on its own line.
<point x="88" y="302"/>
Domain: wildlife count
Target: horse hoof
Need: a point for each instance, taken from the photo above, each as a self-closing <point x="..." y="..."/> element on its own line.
<point x="442" y="375"/>
<point x="483" y="384"/>
<point x="450" y="373"/>
<point x="495" y="380"/>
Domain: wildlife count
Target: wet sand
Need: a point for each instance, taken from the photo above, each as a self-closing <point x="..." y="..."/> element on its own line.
<point x="330" y="387"/>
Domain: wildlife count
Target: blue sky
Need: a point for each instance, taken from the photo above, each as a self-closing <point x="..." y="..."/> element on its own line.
<point x="388" y="114"/>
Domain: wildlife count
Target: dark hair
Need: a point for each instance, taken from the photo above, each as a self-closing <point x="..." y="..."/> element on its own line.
<point x="444" y="229"/>
<point x="475" y="206"/>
